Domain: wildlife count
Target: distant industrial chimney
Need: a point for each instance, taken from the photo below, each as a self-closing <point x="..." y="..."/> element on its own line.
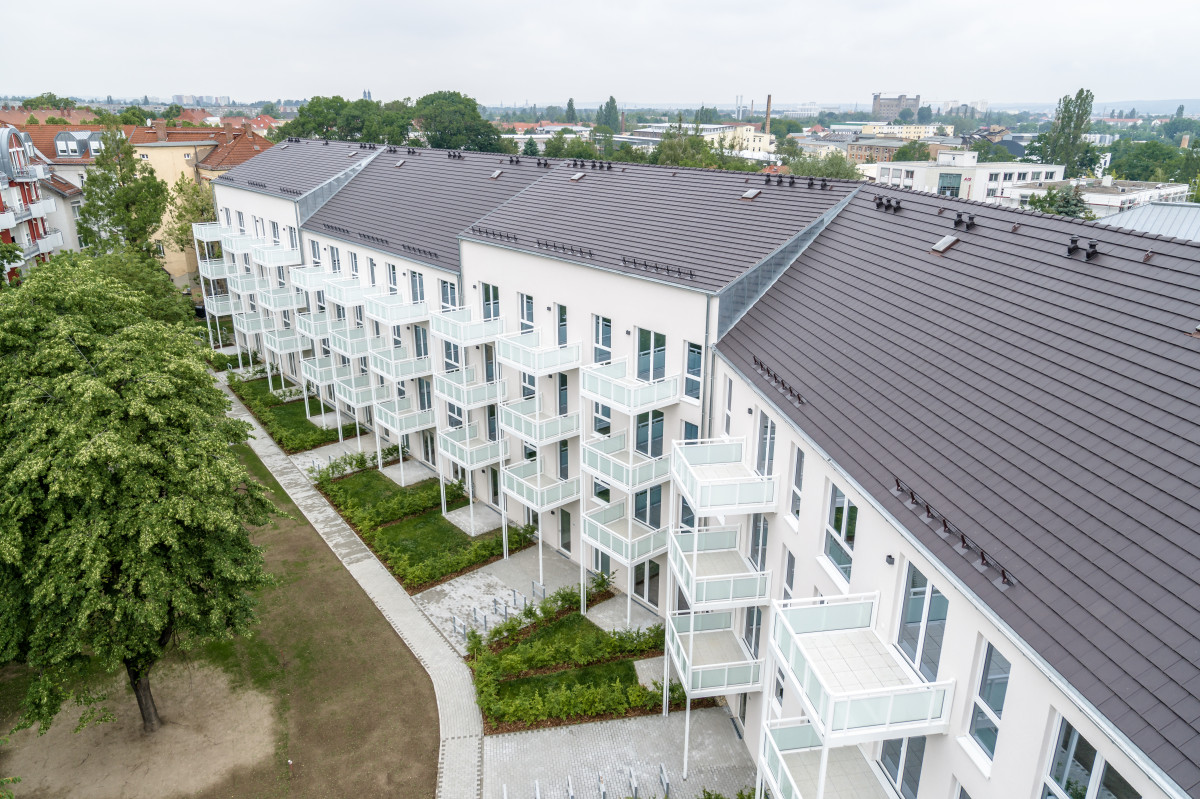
<point x="767" y="124"/>
<point x="751" y="106"/>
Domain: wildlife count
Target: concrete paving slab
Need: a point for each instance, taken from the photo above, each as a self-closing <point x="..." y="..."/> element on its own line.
<point x="475" y="519"/>
<point x="410" y="473"/>
<point x="649" y="670"/>
<point x="321" y="456"/>
<point x="611" y="614"/>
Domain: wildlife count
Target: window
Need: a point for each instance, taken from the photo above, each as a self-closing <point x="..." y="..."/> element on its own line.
<point x="901" y="759"/>
<point x="528" y="385"/>
<point x="922" y="623"/>
<point x="1025" y="199"/>
<point x="420" y="342"/>
<point x="601" y="490"/>
<point x="601" y="419"/>
<point x="839" y="531"/>
<point x="687" y="516"/>
<point x="1022" y="176"/>
<point x="991" y="192"/>
<point x="647" y="507"/>
<point x="1050" y="174"/>
<point x="1008" y="175"/>
<point x="455" y="413"/>
<point x="293" y="240"/>
<point x="797" y="481"/>
<point x="1036" y="176"/>
<point x="353" y="264"/>
<point x="491" y="301"/>
<point x="526" y="303"/>
<point x="691" y="380"/>
<point x="75" y="209"/>
<point x="563" y="394"/>
<point x="452" y="356"/>
<point x="449" y="294"/>
<point x="989" y="701"/>
<point x="275" y="232"/>
<point x="993" y="177"/>
<point x="1072" y="766"/>
<point x="561" y="320"/>
<point x="766" y="444"/>
<point x="393" y="286"/>
<point x="962" y="793"/>
<point x="649" y="437"/>
<point x="564" y="449"/>
<point x="371" y="271"/>
<point x="789" y="576"/>
<point x="529" y="452"/>
<point x="751" y="631"/>
<point x="758" y="541"/>
<point x="146" y="157"/>
<point x="691" y="432"/>
<point x="241" y="219"/>
<point x="949" y="184"/>
<point x="885" y="173"/>
<point x="335" y="259"/>
<point x="417" y="284"/>
<point x="316" y="253"/>
<point x="652" y="355"/>
<point x="728" y="404"/>
<point x="227" y="222"/>
<point x="602" y="339"/>
<point x="564" y="530"/>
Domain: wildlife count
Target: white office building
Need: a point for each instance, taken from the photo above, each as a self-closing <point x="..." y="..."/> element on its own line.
<point x="958" y="173"/>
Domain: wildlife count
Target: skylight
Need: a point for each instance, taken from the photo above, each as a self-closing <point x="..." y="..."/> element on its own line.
<point x="751" y="194"/>
<point x="578" y="176"/>
<point x="946" y="243"/>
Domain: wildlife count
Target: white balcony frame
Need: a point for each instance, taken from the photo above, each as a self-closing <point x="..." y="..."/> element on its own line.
<point x="248" y="283"/>
<point x="743" y="675"/>
<point x="610" y="384"/>
<point x="284" y="341"/>
<point x="251" y="323"/>
<point x="625" y="539"/>
<point x="525" y="419"/>
<point x="315" y="325"/>
<point x="610" y="459"/>
<point x="347" y="291"/>
<point x="462" y="389"/>
<point x="240" y="243"/>
<point x="323" y="370"/>
<point x="391" y="309"/>
<point x="464" y="447"/>
<point x="272" y="255"/>
<point x="526" y="483"/>
<point x="210" y="231"/>
<point x="360" y="390"/>
<point x="309" y="278"/>
<point x="748" y="586"/>
<point x="525" y="352"/>
<point x="715" y="479"/>
<point x="402" y="416"/>
<point x="783" y="737"/>
<point x="218" y="305"/>
<point x="217" y="268"/>
<point x="391" y="365"/>
<point x="350" y="341"/>
<point x="457" y="326"/>
<point x="284" y="298"/>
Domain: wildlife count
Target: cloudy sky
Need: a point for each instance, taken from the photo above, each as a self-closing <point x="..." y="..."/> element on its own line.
<point x="655" y="51"/>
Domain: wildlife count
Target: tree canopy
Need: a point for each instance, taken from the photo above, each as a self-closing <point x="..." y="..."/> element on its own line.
<point x="342" y="120"/>
<point x="830" y="165"/>
<point x="1063" y="143"/>
<point x="570" y="115"/>
<point x="1065" y="202"/>
<point x="123" y="200"/>
<point x="1154" y="160"/>
<point x="141" y="273"/>
<point x="451" y="120"/>
<point x="609" y="115"/>
<point x="530" y="148"/>
<point x="990" y="152"/>
<point x="912" y="151"/>
<point x="125" y="511"/>
<point x="269" y="109"/>
<point x="48" y="100"/>
<point x="190" y="202"/>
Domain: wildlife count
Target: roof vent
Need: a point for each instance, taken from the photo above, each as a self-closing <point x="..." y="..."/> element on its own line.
<point x="496" y="174"/>
<point x="792" y="180"/>
<point x="779" y="180"/>
<point x="751" y="194"/>
<point x="578" y="176"/>
<point x="767" y="180"/>
<point x="945" y="243"/>
<point x="810" y="183"/>
<point x="1092" y="250"/>
<point x="824" y="184"/>
<point x="1073" y="246"/>
<point x="609" y="165"/>
<point x="878" y="201"/>
<point x="400" y="163"/>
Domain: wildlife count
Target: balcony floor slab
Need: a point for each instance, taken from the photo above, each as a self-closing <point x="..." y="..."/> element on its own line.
<point x="486" y="519"/>
<point x="853" y="660"/>
<point x="849" y="775"/>
<point x="714" y="564"/>
<point x="714" y="648"/>
<point x="610" y="615"/>
<point x="721" y="471"/>
<point x="411" y="472"/>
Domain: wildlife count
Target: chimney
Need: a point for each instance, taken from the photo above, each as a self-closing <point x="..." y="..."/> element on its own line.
<point x="160" y="128"/>
<point x="246" y="128"/>
<point x="767" y="124"/>
<point x="751" y="106"/>
<point x="622" y="123"/>
<point x="228" y="132"/>
<point x="1187" y="137"/>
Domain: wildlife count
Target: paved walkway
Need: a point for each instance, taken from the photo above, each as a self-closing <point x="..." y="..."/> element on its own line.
<point x="460" y="755"/>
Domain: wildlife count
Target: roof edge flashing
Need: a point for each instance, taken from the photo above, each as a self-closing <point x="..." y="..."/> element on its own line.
<point x="311" y="201"/>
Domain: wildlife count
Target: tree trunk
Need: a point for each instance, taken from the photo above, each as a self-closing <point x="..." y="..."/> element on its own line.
<point x="139" y="681"/>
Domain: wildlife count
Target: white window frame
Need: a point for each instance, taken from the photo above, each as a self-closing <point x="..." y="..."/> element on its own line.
<point x="525" y="307"/>
<point x="1099" y="767"/>
<point x="981" y="705"/>
<point x="838" y="537"/>
<point x="797" y="481"/>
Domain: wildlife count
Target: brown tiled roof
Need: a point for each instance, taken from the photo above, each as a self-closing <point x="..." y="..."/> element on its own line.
<point x="144" y="135"/>
<point x="61" y="187"/>
<point x="18" y="116"/>
<point x="241" y="149"/>
<point x="43" y="139"/>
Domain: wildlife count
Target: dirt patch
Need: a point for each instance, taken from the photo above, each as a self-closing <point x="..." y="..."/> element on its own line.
<point x="210" y="729"/>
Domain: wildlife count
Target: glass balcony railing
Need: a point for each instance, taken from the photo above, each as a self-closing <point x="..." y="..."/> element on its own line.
<point x="391" y="309"/>
<point x="626" y="540"/>
<point x="210" y="231"/>
<point x="251" y="323"/>
<point x="717" y="661"/>
<point x="247" y="283"/>
<point x="323" y="370"/>
<point x="791" y="759"/>
<point x="271" y="255"/>
<point x="218" y="305"/>
<point x="8" y="219"/>
<point x="528" y="353"/>
<point x="309" y="279"/>
<point x="462" y="388"/>
<point x="351" y="342"/>
<point x="403" y="416"/>
<point x="347" y="290"/>
<point x="610" y="384"/>
<point x="855" y="686"/>
<point x="239" y="242"/>
<point x="464" y="446"/>
<point x="615" y="463"/>
<point x="282" y="299"/>
<point x="217" y="269"/>
<point x="360" y="390"/>
<point x="713" y="572"/>
<point x="395" y="363"/>
<point x="716" y="481"/>
<point x="458" y="326"/>
<point x="526" y="420"/>
<point x="284" y="341"/>
<point x="540" y="492"/>
<point x="780" y="740"/>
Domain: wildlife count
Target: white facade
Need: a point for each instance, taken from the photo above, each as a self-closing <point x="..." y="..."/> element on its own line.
<point x="1104" y="196"/>
<point x="958" y="173"/>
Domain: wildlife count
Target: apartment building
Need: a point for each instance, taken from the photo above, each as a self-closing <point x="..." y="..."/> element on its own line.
<point x="890" y="107"/>
<point x="917" y="497"/>
<point x="958" y="173"/>
<point x="906" y="132"/>
<point x="873" y="150"/>
<point x="1103" y="196"/>
<point x="23" y="208"/>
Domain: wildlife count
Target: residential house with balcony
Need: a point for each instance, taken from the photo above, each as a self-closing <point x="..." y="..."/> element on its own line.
<point x="23" y="207"/>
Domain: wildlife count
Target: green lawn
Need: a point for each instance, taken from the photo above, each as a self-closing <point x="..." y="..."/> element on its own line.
<point x="371" y="488"/>
<point x="599" y="674"/>
<point x="425" y="535"/>
<point x="287" y="422"/>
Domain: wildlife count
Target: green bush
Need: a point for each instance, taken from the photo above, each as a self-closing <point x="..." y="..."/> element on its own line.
<point x="404" y="503"/>
<point x="290" y="431"/>
<point x="572" y="641"/>
<point x="450" y="561"/>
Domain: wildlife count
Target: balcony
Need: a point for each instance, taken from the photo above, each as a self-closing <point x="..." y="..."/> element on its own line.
<point x="38" y="208"/>
<point x="527" y="353"/>
<point x="218" y="269"/>
<point x="791" y="763"/>
<point x="856" y="687"/>
<point x="360" y="390"/>
<point x="540" y="492"/>
<point x="50" y="241"/>
<point x="715" y="480"/>
<point x="394" y="362"/>
<point x="464" y="446"/>
<point x="391" y="309"/>
<point x="284" y="341"/>
<point x="239" y="242"/>
<point x="252" y="323"/>
<point x="626" y="540"/>
<point x="315" y="325"/>
<point x="716" y="662"/>
<point x="247" y="283"/>
<point x="463" y="389"/>
<point x="323" y="370"/>
<point x="310" y="279"/>
<point x="8" y="219"/>
<point x="457" y="327"/>
<point x="271" y="255"/>
<point x="402" y="416"/>
<point x="285" y="298"/>
<point x="347" y="291"/>
<point x="218" y="305"/>
<point x="712" y="571"/>
<point x="526" y="420"/>
<point x="349" y="341"/>
<point x="608" y="384"/>
<point x="210" y="231"/>
<point x="614" y="463"/>
<point x="32" y="172"/>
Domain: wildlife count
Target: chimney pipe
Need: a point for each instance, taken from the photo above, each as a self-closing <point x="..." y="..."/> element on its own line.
<point x="228" y="132"/>
<point x="160" y="128"/>
<point x="767" y="124"/>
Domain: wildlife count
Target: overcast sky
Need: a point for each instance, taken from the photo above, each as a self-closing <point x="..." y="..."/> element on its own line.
<point x="665" y="51"/>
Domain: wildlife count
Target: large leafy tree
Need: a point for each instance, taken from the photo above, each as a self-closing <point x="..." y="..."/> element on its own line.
<point x="123" y="511"/>
<point x="1150" y="160"/>
<point x="143" y="274"/>
<point x="990" y="152"/>
<point x="190" y="202"/>
<point x="1065" y="202"/>
<point x="342" y="120"/>
<point x="451" y="120"/>
<point x="48" y="100"/>
<point x="911" y="151"/>
<point x="570" y="116"/>
<point x="123" y="200"/>
<point x="530" y="147"/>
<point x="831" y="165"/>
<point x="609" y="115"/>
<point x="1063" y="143"/>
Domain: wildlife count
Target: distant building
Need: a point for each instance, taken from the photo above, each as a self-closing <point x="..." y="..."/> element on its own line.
<point x="23" y="209"/>
<point x="735" y="136"/>
<point x="890" y="107"/>
<point x="1100" y="139"/>
<point x="906" y="132"/>
<point x="879" y="150"/>
<point x="958" y="173"/>
<point x="1104" y="196"/>
<point x="1120" y="122"/>
<point x="808" y="111"/>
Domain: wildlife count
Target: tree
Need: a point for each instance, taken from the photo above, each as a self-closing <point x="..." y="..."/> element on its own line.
<point x="1067" y="202"/>
<point x="360" y="120"/>
<point x="530" y="147"/>
<point x="906" y="115"/>
<point x="6" y="793"/>
<point x="123" y="201"/>
<point x="581" y="148"/>
<point x="32" y="120"/>
<point x="452" y="120"/>
<point x="135" y="115"/>
<point x="141" y="273"/>
<point x="990" y="152"/>
<point x="1144" y="160"/>
<point x="556" y="145"/>
<point x="48" y="100"/>
<point x="1179" y="112"/>
<point x="173" y="111"/>
<point x="912" y="151"/>
<point x="609" y="115"/>
<point x="941" y="131"/>
<point x="831" y="165"/>
<point x="1063" y="143"/>
<point x="269" y="109"/>
<point x="570" y="114"/>
<point x="124" y="530"/>
<point x="11" y="255"/>
<point x="925" y="115"/>
<point x="51" y="120"/>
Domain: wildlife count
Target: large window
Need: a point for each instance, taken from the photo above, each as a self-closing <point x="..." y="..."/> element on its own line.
<point x="650" y="434"/>
<point x="393" y="284"/>
<point x="839" y="531"/>
<point x="563" y="460"/>
<point x="455" y="415"/>
<point x="601" y="339"/>
<point x="452" y="359"/>
<point x="526" y="306"/>
<point x="1078" y="771"/>
<point x="651" y="355"/>
<point x="560" y="313"/>
<point x="491" y="301"/>
<point x="647" y="507"/>
<point x="417" y="283"/>
<point x="353" y="264"/>
<point x="316" y="252"/>
<point x="797" y="481"/>
<point x="528" y="385"/>
<point x="335" y="260"/>
<point x="989" y="701"/>
<point x="728" y="404"/>
<point x="449" y="294"/>
<point x="766" y="444"/>
<point x="902" y="759"/>
<point x="758" y="541"/>
<point x="691" y="380"/>
<point x="420" y="342"/>
<point x="922" y="623"/>
<point x="601" y="419"/>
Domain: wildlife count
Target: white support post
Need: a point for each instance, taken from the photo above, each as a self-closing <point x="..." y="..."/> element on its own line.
<point x="629" y="595"/>
<point x="237" y="344"/>
<point x="442" y="484"/>
<point x="687" y="732"/>
<point x="503" y="521"/>
<point x="378" y="449"/>
<point x="471" y="498"/>
<point x="582" y="577"/>
<point x="267" y="362"/>
<point x="541" y="572"/>
<point x="822" y="771"/>
<point x="357" y="431"/>
<point x="304" y="388"/>
<point x="667" y="644"/>
<point x="337" y="409"/>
